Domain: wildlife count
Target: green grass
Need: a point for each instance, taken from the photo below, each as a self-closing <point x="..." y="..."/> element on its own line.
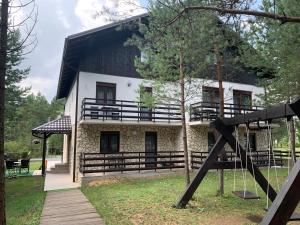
<point x="35" y="165"/>
<point x="148" y="201"/>
<point x="24" y="200"/>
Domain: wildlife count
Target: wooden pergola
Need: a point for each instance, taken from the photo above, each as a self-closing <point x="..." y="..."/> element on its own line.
<point x="61" y="125"/>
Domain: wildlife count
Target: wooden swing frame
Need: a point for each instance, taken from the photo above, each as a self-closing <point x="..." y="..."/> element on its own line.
<point x="288" y="197"/>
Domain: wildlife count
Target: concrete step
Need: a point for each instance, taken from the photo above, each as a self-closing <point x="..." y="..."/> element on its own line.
<point x="60" y="168"/>
<point x="61" y="165"/>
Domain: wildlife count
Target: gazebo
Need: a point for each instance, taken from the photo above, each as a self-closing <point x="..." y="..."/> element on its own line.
<point x="61" y="125"/>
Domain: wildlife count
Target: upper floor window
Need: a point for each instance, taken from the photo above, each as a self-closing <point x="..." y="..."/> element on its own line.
<point x="210" y="95"/>
<point x="109" y="141"/>
<point x="242" y="99"/>
<point x="105" y="93"/>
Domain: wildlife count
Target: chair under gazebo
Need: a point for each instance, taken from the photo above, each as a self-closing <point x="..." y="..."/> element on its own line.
<point x="61" y="125"/>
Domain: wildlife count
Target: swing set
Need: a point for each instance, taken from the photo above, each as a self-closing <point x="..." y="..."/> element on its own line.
<point x="285" y="202"/>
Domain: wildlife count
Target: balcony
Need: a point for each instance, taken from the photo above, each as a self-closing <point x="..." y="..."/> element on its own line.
<point x="121" y="111"/>
<point x="208" y="111"/>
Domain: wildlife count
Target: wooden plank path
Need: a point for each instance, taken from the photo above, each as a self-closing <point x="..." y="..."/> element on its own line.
<point x="69" y="207"/>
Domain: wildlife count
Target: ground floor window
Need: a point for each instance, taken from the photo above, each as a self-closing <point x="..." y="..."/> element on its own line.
<point x="252" y="142"/>
<point x="109" y="142"/>
<point x="210" y="140"/>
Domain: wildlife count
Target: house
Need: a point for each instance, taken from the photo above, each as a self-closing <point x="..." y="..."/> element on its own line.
<point x="112" y="132"/>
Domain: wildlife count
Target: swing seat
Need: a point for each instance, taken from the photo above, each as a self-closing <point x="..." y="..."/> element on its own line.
<point x="245" y="195"/>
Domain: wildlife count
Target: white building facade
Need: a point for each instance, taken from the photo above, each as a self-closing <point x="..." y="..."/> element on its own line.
<point x="113" y="132"/>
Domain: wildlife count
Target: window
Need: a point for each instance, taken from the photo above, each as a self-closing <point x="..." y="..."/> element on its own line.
<point x="242" y="100"/>
<point x="105" y="93"/>
<point x="109" y="141"/>
<point x="210" y="94"/>
<point x="210" y="140"/>
<point x="252" y="142"/>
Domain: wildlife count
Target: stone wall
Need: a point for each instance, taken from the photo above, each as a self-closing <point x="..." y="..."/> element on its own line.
<point x="198" y="138"/>
<point x="132" y="139"/>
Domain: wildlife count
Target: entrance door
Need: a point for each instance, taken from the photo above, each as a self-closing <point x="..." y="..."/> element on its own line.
<point x="150" y="149"/>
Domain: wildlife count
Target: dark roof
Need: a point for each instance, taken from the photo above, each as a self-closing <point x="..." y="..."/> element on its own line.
<point x="61" y="125"/>
<point x="75" y="45"/>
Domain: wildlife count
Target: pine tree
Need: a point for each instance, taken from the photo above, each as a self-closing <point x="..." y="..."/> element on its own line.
<point x="174" y="54"/>
<point x="14" y="94"/>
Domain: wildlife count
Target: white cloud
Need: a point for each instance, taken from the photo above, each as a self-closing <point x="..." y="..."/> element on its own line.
<point x="94" y="13"/>
<point x="63" y="19"/>
<point x="40" y="84"/>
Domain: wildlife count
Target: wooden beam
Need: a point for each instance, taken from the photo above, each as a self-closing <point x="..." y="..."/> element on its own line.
<point x="244" y="157"/>
<point x="276" y="112"/>
<point x="207" y="164"/>
<point x="286" y="201"/>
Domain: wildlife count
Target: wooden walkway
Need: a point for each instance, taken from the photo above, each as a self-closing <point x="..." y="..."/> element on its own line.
<point x="69" y="207"/>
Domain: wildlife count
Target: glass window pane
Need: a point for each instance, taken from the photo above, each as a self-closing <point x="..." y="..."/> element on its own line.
<point x="109" y="141"/>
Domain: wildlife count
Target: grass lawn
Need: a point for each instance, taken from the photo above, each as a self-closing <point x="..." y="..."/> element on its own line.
<point x="35" y="165"/>
<point x="24" y="200"/>
<point x="148" y="200"/>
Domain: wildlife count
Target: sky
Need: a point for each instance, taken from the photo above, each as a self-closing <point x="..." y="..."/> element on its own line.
<point x="56" y="20"/>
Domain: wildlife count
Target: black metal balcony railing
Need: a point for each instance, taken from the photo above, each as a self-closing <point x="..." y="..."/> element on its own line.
<point x="130" y="161"/>
<point x="210" y="111"/>
<point x="122" y="110"/>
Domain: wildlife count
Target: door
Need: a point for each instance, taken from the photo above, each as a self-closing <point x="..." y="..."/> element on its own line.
<point x="150" y="149"/>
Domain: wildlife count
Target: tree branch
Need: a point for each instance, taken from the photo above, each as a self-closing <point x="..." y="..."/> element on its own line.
<point x="281" y="17"/>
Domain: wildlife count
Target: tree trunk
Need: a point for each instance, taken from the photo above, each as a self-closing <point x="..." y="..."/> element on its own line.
<point x="221" y="114"/>
<point x="3" y="54"/>
<point x="182" y="110"/>
<point x="292" y="143"/>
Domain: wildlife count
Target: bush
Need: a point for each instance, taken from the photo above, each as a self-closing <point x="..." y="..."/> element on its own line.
<point x="15" y="148"/>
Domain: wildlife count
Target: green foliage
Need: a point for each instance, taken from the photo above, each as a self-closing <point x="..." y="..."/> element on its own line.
<point x="14" y="94"/>
<point x="277" y="49"/>
<point x="34" y="111"/>
<point x="14" y="147"/>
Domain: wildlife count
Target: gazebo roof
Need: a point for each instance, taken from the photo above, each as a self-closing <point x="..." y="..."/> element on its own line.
<point x="61" y="125"/>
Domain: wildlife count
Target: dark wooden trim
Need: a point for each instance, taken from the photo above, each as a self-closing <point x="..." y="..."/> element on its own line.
<point x="75" y="133"/>
<point x="44" y="155"/>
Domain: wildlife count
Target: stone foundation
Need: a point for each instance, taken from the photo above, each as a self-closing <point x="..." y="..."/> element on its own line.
<point x="132" y="139"/>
